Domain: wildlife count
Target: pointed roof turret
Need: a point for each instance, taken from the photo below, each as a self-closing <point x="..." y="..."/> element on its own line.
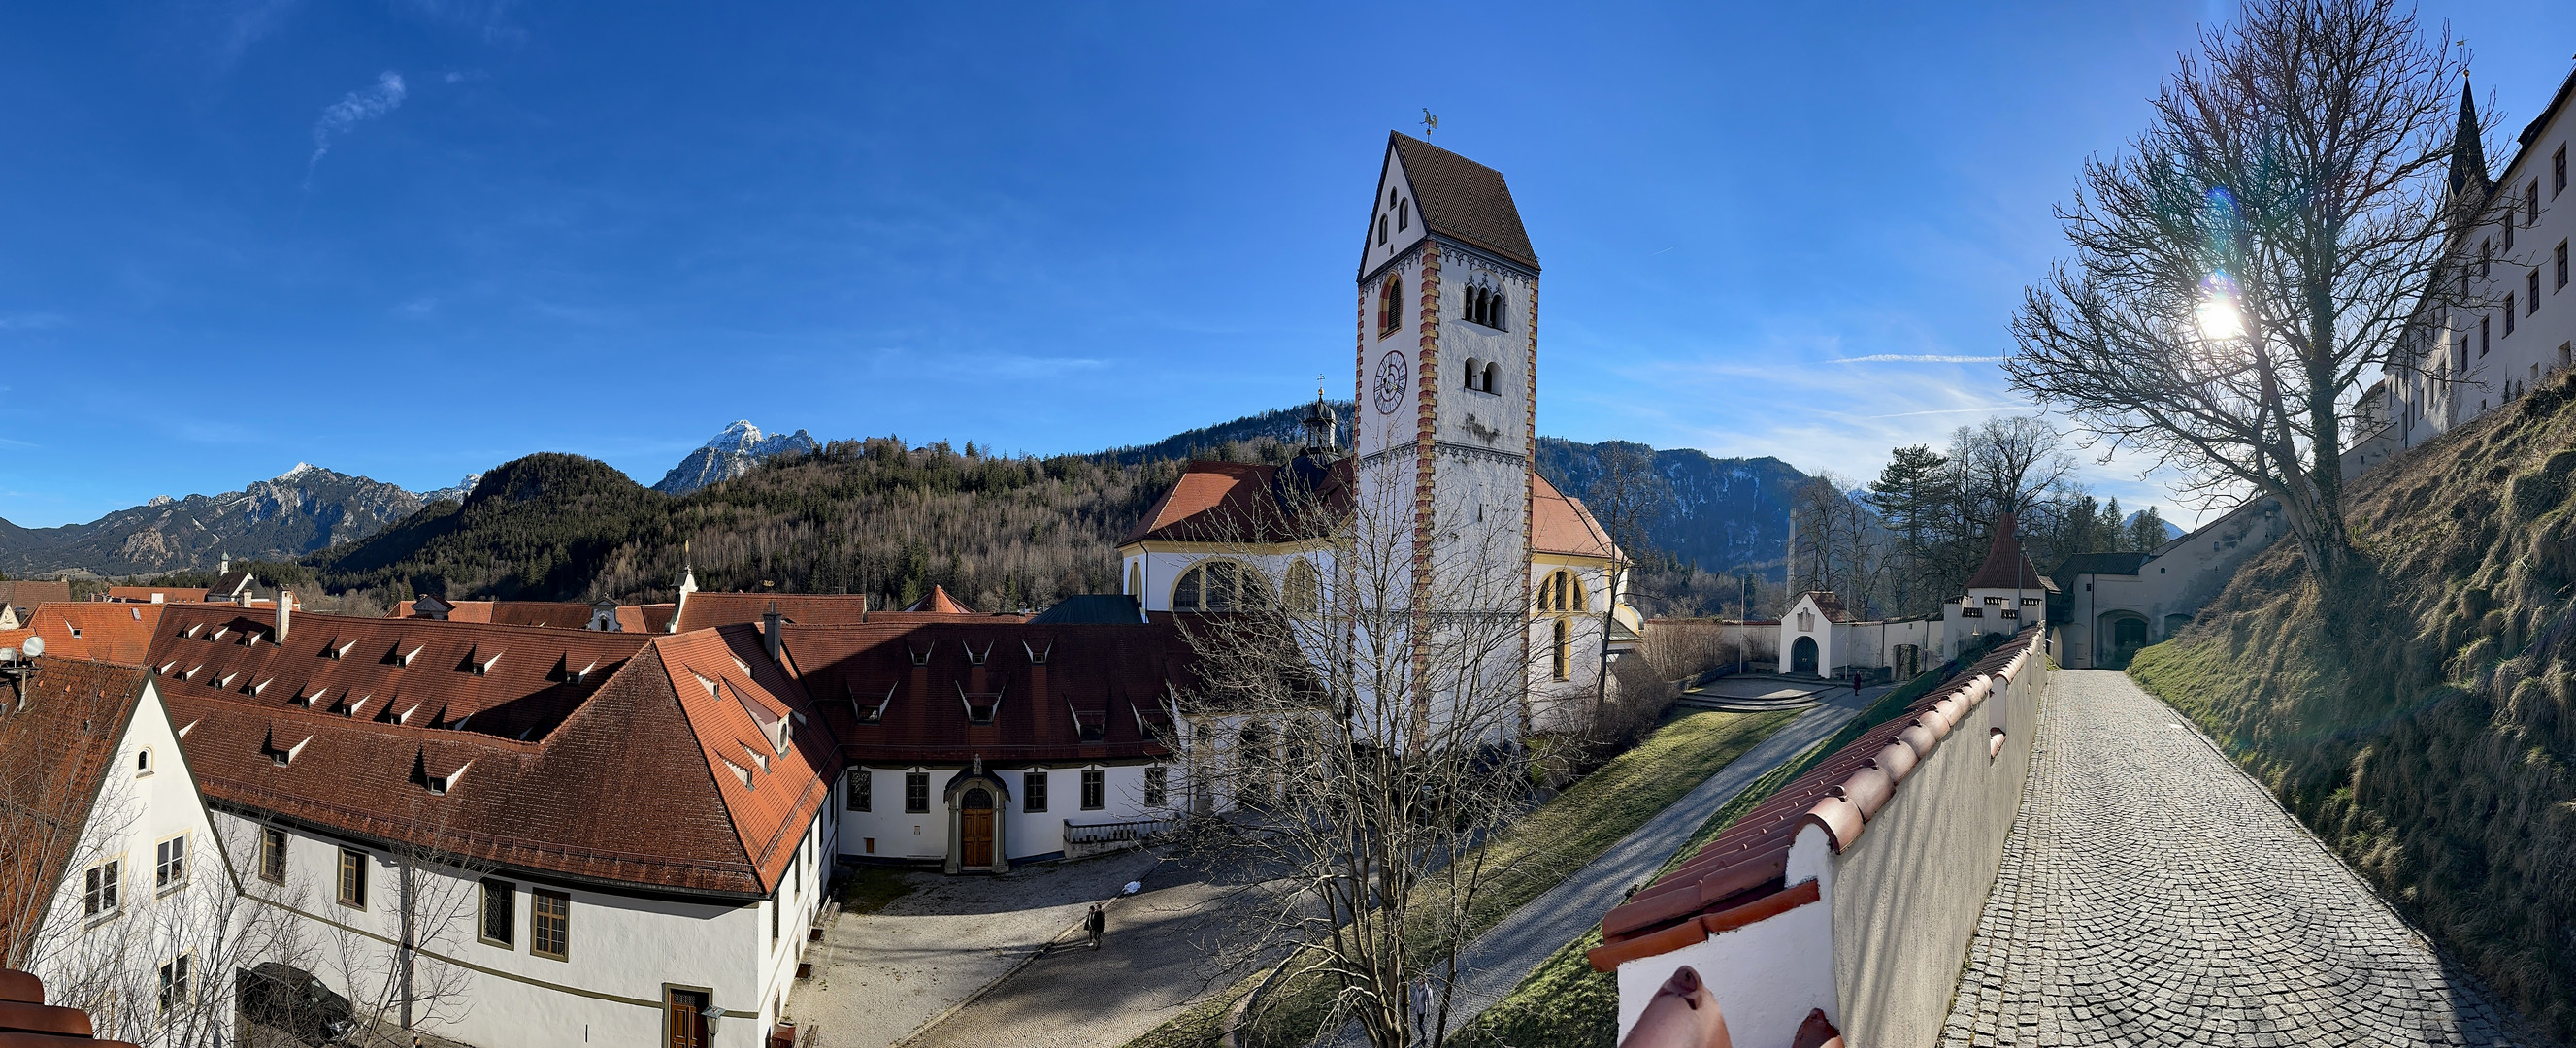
<point x="2006" y="567"/>
<point x="2468" y="151"/>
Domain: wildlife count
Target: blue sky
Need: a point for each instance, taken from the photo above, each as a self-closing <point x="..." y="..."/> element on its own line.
<point x="416" y="239"/>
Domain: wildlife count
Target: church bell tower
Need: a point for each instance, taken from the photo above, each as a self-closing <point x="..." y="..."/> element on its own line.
<point x="1445" y="411"/>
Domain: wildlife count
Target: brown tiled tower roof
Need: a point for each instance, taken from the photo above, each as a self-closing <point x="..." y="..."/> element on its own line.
<point x="2005" y="566"/>
<point x="1463" y="200"/>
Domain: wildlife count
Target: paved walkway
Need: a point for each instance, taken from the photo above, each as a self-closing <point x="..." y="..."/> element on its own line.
<point x="2151" y="894"/>
<point x="1511" y="950"/>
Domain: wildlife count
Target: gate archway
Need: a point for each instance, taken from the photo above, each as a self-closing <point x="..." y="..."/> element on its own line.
<point x="1802" y="656"/>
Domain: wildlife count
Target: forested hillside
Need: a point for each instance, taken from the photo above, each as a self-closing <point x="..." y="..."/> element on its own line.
<point x="855" y="516"/>
<point x="2422" y="717"/>
<point x="1718" y="513"/>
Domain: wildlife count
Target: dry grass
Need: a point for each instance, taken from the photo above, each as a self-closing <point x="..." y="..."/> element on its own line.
<point x="2421" y="715"/>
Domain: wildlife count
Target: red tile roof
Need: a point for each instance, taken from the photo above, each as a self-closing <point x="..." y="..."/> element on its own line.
<point x="1560" y="524"/>
<point x="706" y="609"/>
<point x="55" y="750"/>
<point x="28" y="593"/>
<point x="144" y="594"/>
<point x="899" y="692"/>
<point x="102" y="631"/>
<point x="27" y="1022"/>
<point x="645" y="618"/>
<point x="1239" y="502"/>
<point x="1748" y="863"/>
<point x="938" y="602"/>
<point x="2006" y="567"/>
<point x="579" y="752"/>
<point x="564" y="615"/>
<point x="1828" y="603"/>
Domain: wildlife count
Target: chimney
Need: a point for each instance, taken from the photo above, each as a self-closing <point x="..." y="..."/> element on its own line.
<point x="285" y="610"/>
<point x="769" y="630"/>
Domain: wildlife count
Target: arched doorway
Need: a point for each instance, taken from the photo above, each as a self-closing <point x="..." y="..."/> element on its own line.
<point x="975" y="803"/>
<point x="1802" y="656"/>
<point x="2118" y="635"/>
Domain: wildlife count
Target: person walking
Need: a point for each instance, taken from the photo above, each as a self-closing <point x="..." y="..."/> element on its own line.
<point x="1419" y="998"/>
<point x="1094" y="923"/>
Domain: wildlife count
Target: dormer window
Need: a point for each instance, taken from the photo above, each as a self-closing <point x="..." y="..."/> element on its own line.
<point x="922" y="657"/>
<point x="976" y="658"/>
<point x="867" y="713"/>
<point x="1037" y="656"/>
<point x="980" y="706"/>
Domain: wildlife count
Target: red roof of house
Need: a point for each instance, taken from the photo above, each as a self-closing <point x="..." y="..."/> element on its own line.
<point x="1828" y="603"/>
<point x="1560" y="524"/>
<point x="706" y="609"/>
<point x="938" y="602"/>
<point x="101" y="631"/>
<point x="25" y="593"/>
<point x="899" y="692"/>
<point x="645" y="618"/>
<point x="582" y="753"/>
<point x="1748" y="862"/>
<point x="55" y="749"/>
<point x="144" y="594"/>
<point x="1240" y="502"/>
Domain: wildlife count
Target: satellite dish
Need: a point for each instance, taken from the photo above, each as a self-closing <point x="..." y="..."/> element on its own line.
<point x="35" y="646"/>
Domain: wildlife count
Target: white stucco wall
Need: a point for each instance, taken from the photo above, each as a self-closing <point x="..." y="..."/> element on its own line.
<point x="1025" y="834"/>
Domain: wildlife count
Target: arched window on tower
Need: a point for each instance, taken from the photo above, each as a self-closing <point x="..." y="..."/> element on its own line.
<point x="1561" y="650"/>
<point x="1493" y="372"/>
<point x="1381" y="230"/>
<point x="1389" y="294"/>
<point x="1403" y="215"/>
<point x="1304" y="594"/>
<point x="1136" y="580"/>
<point x="1471" y="372"/>
<point x="1561" y="591"/>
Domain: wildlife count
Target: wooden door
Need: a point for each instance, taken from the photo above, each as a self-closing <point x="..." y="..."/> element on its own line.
<point x="975" y="829"/>
<point x="688" y="1022"/>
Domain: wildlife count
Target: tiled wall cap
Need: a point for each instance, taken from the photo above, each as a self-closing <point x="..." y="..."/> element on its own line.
<point x="1867" y="789"/>
<point x="1934" y="719"/>
<point x="1920" y="738"/>
<point x="1897" y="760"/>
<point x="37" y="1018"/>
<point x="1743" y="877"/>
<point x="20" y="986"/>
<point x="1977" y="686"/>
<point x="1764" y="908"/>
<point x="1994" y="742"/>
<point x="1608" y="957"/>
<point x="1953" y="709"/>
<point x="1841" y="821"/>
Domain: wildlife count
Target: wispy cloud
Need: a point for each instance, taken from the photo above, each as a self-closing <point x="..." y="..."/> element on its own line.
<point x="418" y="308"/>
<point x="1917" y="358"/>
<point x="357" y="107"/>
<point x="31" y="321"/>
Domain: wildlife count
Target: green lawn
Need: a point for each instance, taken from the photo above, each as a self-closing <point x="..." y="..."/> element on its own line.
<point x="1534" y="855"/>
<point x="1564" y="1003"/>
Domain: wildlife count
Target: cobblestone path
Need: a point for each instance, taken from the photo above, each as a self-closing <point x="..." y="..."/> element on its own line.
<point x="2153" y="895"/>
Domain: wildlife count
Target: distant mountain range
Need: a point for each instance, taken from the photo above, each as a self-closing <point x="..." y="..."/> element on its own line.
<point x="1723" y="512"/>
<point x="302" y="510"/>
<point x="730" y="454"/>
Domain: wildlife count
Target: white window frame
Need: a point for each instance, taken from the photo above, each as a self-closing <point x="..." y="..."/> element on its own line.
<point x="169" y="864"/>
<point x="104" y="899"/>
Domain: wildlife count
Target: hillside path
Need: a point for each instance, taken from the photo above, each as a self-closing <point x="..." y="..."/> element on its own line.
<point x="2152" y="894"/>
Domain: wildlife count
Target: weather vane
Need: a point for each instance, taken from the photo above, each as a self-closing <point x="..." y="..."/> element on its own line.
<point x="1430" y="123"/>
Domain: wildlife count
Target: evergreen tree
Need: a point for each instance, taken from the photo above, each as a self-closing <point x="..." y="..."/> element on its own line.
<point x="2149" y="531"/>
<point x="2109" y="535"/>
<point x="1910" y="496"/>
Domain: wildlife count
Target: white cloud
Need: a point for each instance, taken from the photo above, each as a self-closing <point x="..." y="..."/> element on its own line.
<point x="418" y="308"/>
<point x="359" y="106"/>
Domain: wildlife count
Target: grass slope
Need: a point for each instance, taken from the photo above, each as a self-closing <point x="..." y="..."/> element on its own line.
<point x="1564" y="1003"/>
<point x="2422" y="716"/>
<point x="1533" y="856"/>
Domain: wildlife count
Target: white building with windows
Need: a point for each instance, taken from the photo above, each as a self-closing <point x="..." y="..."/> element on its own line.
<point x="2501" y="318"/>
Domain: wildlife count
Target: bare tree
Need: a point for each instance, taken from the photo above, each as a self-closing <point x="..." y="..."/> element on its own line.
<point x="1626" y="498"/>
<point x="399" y="976"/>
<point x="2259" y="249"/>
<point x="1839" y="546"/>
<point x="1363" y="722"/>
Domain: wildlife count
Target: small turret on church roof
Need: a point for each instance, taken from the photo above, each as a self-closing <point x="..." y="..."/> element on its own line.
<point x="2468" y="151"/>
<point x="2006" y="567"/>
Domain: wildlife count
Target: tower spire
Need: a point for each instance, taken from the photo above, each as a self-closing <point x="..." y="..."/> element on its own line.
<point x="2468" y="153"/>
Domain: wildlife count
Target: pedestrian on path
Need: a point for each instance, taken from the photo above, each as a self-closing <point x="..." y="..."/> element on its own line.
<point x="1419" y="998"/>
<point x="1094" y="923"/>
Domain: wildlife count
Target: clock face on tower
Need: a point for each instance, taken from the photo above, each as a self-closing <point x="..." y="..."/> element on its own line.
<point x="1393" y="380"/>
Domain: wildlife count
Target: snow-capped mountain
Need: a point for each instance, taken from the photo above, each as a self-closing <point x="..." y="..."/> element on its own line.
<point x="730" y="454"/>
<point x="455" y="494"/>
